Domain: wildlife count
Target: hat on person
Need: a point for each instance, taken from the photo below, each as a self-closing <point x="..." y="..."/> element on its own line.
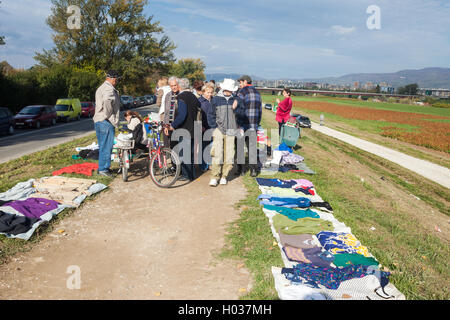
<point x="112" y="74"/>
<point x="245" y="77"/>
<point x="229" y="85"/>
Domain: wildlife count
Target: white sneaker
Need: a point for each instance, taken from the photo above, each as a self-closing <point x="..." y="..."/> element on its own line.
<point x="213" y="182"/>
<point x="223" y="181"/>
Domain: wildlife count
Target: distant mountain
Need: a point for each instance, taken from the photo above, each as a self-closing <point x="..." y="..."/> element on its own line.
<point x="425" y="78"/>
<point x="218" y="77"/>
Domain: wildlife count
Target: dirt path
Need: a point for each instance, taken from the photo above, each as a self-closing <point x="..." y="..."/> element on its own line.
<point x="136" y="241"/>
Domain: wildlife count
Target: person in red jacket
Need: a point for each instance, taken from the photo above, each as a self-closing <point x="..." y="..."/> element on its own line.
<point x="284" y="109"/>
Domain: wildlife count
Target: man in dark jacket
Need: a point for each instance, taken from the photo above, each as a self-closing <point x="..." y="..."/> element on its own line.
<point x="188" y="113"/>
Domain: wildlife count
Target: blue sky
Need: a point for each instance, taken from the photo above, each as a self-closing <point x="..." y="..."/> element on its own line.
<point x="271" y="39"/>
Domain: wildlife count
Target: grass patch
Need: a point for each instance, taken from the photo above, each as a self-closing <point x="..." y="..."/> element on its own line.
<point x="37" y="165"/>
<point x="402" y="241"/>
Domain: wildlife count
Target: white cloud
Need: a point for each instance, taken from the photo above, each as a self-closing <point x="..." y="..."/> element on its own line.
<point x="340" y="30"/>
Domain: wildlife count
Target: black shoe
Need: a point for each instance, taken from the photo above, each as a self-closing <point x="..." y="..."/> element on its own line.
<point x="183" y="178"/>
<point x="253" y="173"/>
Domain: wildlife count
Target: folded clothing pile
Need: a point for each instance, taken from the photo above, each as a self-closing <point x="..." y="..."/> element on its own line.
<point x="30" y="203"/>
<point x="322" y="258"/>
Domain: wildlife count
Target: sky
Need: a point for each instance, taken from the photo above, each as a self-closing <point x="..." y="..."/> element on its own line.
<point x="271" y="39"/>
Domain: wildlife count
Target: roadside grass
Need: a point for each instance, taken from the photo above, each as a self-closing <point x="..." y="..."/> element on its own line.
<point x="403" y="240"/>
<point x="37" y="165"/>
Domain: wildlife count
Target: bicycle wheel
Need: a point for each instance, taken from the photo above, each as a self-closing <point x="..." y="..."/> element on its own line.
<point x="125" y="164"/>
<point x="165" y="168"/>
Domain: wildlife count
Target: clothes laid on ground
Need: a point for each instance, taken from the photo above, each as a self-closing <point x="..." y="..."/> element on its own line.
<point x="15" y="224"/>
<point x="306" y="191"/>
<point x="284" y="147"/>
<point x="330" y="278"/>
<point x="65" y="190"/>
<point x="301" y="226"/>
<point x="81" y="168"/>
<point x="92" y="146"/>
<point x="341" y="243"/>
<point x="311" y="255"/>
<point x="365" y="288"/>
<point x="291" y="158"/>
<point x="275" y="183"/>
<point x="31" y="207"/>
<point x="338" y="226"/>
<point x="88" y="154"/>
<point x="303" y="241"/>
<point x="346" y="259"/>
<point x="302" y="183"/>
<point x="20" y="191"/>
<point x="288" y="202"/>
<point x="293" y="214"/>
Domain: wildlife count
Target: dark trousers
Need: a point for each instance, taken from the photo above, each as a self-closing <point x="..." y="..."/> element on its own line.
<point x="187" y="166"/>
<point x="280" y="124"/>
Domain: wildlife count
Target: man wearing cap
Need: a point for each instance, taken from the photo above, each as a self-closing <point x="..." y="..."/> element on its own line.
<point x="251" y="99"/>
<point x="106" y="119"/>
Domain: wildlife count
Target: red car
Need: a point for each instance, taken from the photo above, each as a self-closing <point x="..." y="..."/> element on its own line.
<point x="35" y="116"/>
<point x="87" y="109"/>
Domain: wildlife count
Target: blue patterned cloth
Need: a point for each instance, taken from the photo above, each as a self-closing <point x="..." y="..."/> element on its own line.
<point x="331" y="278"/>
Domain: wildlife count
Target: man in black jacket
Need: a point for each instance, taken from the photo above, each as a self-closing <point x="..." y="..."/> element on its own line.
<point x="186" y="119"/>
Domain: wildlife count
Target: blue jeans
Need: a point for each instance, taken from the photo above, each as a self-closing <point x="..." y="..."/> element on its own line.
<point x="105" y="137"/>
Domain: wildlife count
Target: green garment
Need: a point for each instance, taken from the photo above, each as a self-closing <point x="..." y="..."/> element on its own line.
<point x="301" y="226"/>
<point x="346" y="259"/>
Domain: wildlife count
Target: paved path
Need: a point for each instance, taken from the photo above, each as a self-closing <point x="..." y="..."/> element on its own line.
<point x="431" y="171"/>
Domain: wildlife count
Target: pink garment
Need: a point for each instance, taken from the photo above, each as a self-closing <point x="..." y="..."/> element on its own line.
<point x="284" y="110"/>
<point x="302" y="183"/>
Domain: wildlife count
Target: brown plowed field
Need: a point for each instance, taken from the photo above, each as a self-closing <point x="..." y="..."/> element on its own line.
<point x="430" y="134"/>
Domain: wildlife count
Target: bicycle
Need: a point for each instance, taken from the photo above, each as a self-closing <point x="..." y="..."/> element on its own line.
<point x="164" y="164"/>
<point x="124" y="148"/>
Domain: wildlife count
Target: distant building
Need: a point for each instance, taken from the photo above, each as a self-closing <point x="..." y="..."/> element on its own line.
<point x="387" y="89"/>
<point x="438" y="93"/>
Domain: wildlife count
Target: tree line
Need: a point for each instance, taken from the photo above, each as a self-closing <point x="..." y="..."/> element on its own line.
<point x="111" y="35"/>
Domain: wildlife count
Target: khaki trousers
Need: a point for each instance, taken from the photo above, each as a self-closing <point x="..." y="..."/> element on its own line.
<point x="222" y="154"/>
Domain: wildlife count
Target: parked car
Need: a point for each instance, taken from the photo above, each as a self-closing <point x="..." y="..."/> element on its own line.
<point x="139" y="102"/>
<point x="303" y="121"/>
<point x="268" y="106"/>
<point x="151" y="99"/>
<point x="87" y="109"/>
<point x="126" y="102"/>
<point x="6" y="121"/>
<point x="68" y="109"/>
<point x="35" y="116"/>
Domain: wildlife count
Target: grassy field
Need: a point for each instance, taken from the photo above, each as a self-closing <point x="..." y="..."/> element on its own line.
<point x="376" y="105"/>
<point x="365" y="192"/>
<point x="37" y="165"/>
<point x="422" y="132"/>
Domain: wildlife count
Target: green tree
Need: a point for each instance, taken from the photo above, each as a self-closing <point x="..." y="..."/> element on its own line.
<point x="192" y="69"/>
<point x="409" y="89"/>
<point x="112" y="35"/>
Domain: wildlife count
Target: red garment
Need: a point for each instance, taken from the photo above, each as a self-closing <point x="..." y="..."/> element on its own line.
<point x="284" y="110"/>
<point x="81" y="168"/>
